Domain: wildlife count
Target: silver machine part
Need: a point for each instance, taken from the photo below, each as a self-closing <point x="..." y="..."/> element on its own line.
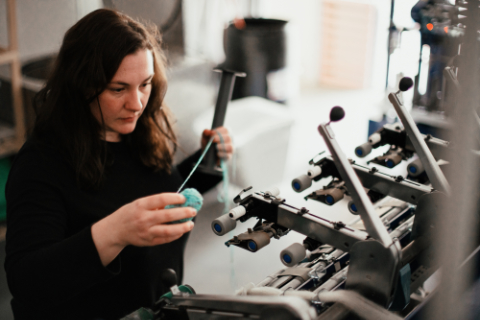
<point x="223" y="225"/>
<point x="301" y="183"/>
<point x="363" y="150"/>
<point x="402" y="189"/>
<point x="237" y="212"/>
<point x="245" y="307"/>
<point x="334" y="281"/>
<point x="406" y="190"/>
<point x="372" y="222"/>
<point x="357" y="304"/>
<point x="375" y="138"/>
<point x="293" y="254"/>
<point x="435" y="174"/>
<point x="281" y="281"/>
<point x="314" y="172"/>
<point x="318" y="228"/>
<point x="415" y="168"/>
<point x="363" y="277"/>
<point x="273" y="191"/>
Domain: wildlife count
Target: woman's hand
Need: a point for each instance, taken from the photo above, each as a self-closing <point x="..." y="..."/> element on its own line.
<point x="142" y="222"/>
<point x="225" y="150"/>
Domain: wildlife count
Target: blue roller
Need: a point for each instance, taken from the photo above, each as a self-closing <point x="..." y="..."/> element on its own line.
<point x="390" y="163"/>
<point x="301" y="183"/>
<point x="329" y="199"/>
<point x="413" y="169"/>
<point x="363" y="150"/>
<point x="353" y="207"/>
<point x="293" y="254"/>
<point x="223" y="225"/>
<point x="252" y="245"/>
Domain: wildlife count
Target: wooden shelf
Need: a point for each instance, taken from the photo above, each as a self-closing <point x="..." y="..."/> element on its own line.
<point x="12" y="138"/>
<point x="8" y="56"/>
<point x="8" y="142"/>
<point x="3" y="232"/>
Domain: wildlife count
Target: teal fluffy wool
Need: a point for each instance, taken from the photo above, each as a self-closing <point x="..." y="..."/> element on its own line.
<point x="194" y="200"/>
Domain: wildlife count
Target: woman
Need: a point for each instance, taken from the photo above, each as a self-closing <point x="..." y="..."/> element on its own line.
<point x="87" y="233"/>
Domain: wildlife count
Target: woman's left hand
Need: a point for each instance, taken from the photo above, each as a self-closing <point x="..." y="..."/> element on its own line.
<point x="225" y="149"/>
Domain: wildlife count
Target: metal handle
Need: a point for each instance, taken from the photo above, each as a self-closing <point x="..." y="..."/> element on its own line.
<point x="372" y="222"/>
<point x="224" y="96"/>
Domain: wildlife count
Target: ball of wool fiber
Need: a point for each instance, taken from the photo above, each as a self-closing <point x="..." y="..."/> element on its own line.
<point x="193" y="199"/>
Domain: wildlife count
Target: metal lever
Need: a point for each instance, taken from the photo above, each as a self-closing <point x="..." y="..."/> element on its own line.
<point x="224" y="96"/>
<point x="434" y="173"/>
<point x="374" y="226"/>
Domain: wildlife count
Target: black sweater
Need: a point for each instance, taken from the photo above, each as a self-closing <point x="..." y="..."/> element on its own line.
<point x="53" y="268"/>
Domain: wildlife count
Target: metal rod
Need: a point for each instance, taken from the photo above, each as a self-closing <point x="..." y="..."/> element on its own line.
<point x="459" y="215"/>
<point x="434" y="173"/>
<point x="373" y="224"/>
<point x="391" y="29"/>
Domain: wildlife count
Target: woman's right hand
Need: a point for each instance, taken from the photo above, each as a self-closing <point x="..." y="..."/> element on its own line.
<point x="142" y="222"/>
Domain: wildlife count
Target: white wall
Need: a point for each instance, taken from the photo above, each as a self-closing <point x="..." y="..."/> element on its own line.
<point x="156" y="11"/>
<point x="42" y="24"/>
<point x="205" y="20"/>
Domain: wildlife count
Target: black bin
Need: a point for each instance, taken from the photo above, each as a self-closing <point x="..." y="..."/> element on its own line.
<point x="257" y="49"/>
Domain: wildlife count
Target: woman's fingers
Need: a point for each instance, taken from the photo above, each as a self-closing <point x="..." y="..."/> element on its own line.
<point x="225" y="148"/>
<point x="207" y="134"/>
<point x="224" y="155"/>
<point x="160" y="201"/>
<point x="225" y="135"/>
<point x="170" y="215"/>
<point x="139" y="223"/>
<point x="168" y="231"/>
<point x="224" y="144"/>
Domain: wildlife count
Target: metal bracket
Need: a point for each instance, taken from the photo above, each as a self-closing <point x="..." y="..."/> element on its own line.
<point x="434" y="173"/>
<point x="238" y="198"/>
<point x="312" y="161"/>
<point x="296" y="272"/>
<point x="338" y="225"/>
<point x="302" y="211"/>
<point x="373" y="270"/>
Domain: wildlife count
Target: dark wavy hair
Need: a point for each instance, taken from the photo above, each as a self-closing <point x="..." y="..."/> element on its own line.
<point x="89" y="57"/>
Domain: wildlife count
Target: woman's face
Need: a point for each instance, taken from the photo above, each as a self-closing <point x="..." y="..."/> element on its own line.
<point x="126" y="96"/>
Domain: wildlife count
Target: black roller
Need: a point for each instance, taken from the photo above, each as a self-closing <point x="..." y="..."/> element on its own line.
<point x="337" y="113"/>
<point x="405" y="84"/>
